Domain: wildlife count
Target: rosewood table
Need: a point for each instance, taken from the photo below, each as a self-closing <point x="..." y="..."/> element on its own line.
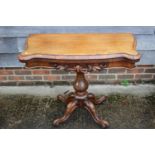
<point x="80" y="53"/>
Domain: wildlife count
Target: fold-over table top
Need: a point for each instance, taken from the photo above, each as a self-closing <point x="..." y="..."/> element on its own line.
<point x="80" y="46"/>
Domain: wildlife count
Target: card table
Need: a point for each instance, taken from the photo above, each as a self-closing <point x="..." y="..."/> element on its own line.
<point x="80" y="53"/>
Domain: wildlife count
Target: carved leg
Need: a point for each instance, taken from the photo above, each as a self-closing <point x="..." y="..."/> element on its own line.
<point x="66" y="98"/>
<point x="71" y="106"/>
<point x="93" y="99"/>
<point x="61" y="98"/>
<point x="101" y="99"/>
<point x="91" y="108"/>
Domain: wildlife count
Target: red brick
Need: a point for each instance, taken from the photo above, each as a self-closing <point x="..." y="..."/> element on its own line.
<point x="52" y="77"/>
<point x="6" y="72"/>
<point x="55" y="71"/>
<point x="15" y="78"/>
<point x="33" y="78"/>
<point x="121" y="77"/>
<point x="103" y="71"/>
<point x="8" y="83"/>
<point x="150" y="70"/>
<point x="116" y="70"/>
<point x="2" y="78"/>
<point x="100" y="72"/>
<point x="91" y="77"/>
<point x="42" y="72"/>
<point x="143" y="76"/>
<point x="135" y="70"/>
<point x="23" y="72"/>
<point x="68" y="77"/>
<point x="106" y="77"/>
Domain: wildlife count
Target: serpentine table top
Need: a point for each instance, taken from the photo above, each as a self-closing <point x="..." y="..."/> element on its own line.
<point x="116" y="49"/>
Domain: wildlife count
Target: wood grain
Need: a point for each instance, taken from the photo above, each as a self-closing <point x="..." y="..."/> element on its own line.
<point x="84" y="46"/>
<point x="47" y="50"/>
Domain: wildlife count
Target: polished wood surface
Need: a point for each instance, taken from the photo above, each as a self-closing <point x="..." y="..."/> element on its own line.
<point x="80" y="46"/>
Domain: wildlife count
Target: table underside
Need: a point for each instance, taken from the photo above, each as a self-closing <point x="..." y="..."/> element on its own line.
<point x="119" y="62"/>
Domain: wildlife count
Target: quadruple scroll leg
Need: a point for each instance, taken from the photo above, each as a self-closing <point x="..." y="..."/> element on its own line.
<point x="91" y="108"/>
<point x="80" y="98"/>
<point x="93" y="99"/>
<point x="71" y="106"/>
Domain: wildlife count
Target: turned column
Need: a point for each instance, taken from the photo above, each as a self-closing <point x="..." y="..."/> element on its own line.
<point x="80" y="84"/>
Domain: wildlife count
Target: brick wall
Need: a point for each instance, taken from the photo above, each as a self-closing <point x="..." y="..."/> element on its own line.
<point x="24" y="76"/>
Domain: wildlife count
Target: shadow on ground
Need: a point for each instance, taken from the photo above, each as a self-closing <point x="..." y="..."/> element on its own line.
<point x="35" y="112"/>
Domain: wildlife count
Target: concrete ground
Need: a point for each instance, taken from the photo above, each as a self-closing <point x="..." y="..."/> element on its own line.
<point x="141" y="90"/>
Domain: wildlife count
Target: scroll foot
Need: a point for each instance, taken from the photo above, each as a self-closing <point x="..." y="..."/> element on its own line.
<point x="91" y="108"/>
<point x="71" y="106"/>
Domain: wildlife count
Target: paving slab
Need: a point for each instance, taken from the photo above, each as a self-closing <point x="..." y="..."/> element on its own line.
<point x="141" y="90"/>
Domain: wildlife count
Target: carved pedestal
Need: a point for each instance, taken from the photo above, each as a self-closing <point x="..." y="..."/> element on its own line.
<point x="81" y="98"/>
